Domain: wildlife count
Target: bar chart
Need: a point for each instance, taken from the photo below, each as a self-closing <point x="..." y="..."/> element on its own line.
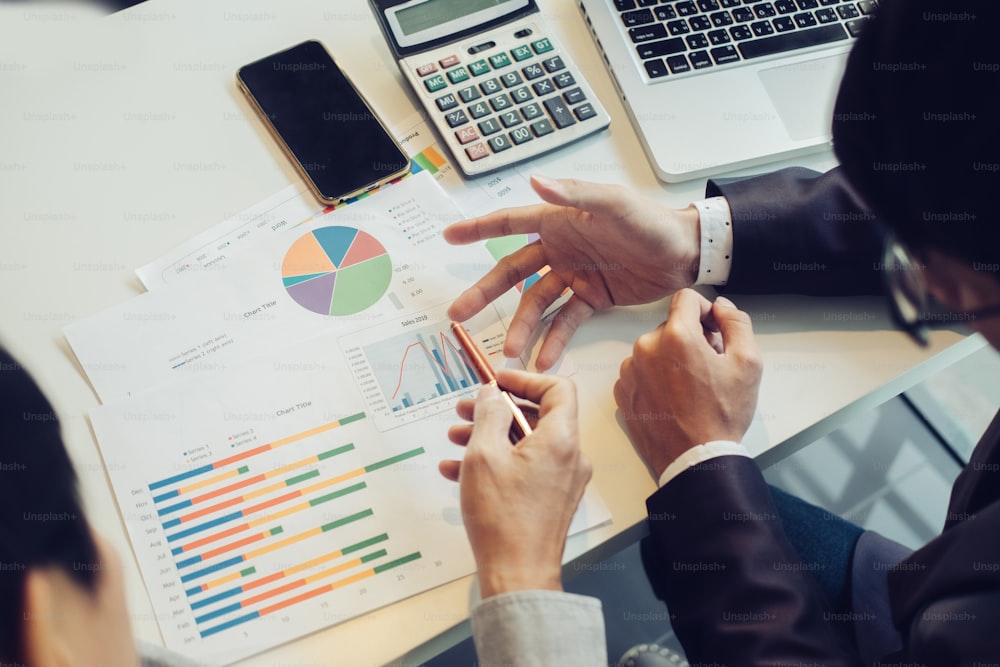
<point x="227" y="521"/>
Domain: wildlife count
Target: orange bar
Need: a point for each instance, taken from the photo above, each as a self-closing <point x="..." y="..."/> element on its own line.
<point x="226" y="489"/>
<point x="431" y="154"/>
<point x="211" y="508"/>
<point x="263" y="491"/>
<point x="208" y="481"/>
<point x="317" y="591"/>
<point x="271" y="593"/>
<point x="218" y="536"/>
<point x="266" y="580"/>
<point x="272" y="502"/>
<point x="243" y="455"/>
<point x="235" y="545"/>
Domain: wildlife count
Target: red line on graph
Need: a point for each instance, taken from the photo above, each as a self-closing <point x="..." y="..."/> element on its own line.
<point x="447" y="371"/>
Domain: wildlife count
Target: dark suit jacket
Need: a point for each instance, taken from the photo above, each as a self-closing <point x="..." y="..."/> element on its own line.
<point x="736" y="590"/>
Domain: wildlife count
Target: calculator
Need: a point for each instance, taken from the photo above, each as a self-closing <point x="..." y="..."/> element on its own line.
<point x="498" y="88"/>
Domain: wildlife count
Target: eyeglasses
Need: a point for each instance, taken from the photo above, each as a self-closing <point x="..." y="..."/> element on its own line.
<point x="913" y="310"/>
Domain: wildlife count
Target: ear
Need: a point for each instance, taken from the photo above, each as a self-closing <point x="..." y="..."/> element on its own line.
<point x="44" y="644"/>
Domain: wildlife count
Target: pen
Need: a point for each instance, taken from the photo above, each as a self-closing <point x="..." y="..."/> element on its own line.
<point x="520" y="427"/>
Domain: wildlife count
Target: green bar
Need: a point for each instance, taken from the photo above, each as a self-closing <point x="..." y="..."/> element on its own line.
<point x="242" y="470"/>
<point x="346" y="520"/>
<point x="399" y="561"/>
<point x="422" y="160"/>
<point x="367" y="543"/>
<point x="276" y="530"/>
<point x="353" y="418"/>
<point x="337" y="494"/>
<point x="247" y="572"/>
<point x="373" y="556"/>
<point x="334" y="452"/>
<point x="394" y="459"/>
<point x="301" y="478"/>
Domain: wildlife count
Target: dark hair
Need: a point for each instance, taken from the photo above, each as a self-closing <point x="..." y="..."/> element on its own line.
<point x="41" y="518"/>
<point x="917" y="124"/>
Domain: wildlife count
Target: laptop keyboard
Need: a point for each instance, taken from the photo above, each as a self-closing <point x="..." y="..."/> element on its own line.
<point x="679" y="36"/>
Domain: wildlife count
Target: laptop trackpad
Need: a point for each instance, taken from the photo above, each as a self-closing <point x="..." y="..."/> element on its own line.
<point x="804" y="93"/>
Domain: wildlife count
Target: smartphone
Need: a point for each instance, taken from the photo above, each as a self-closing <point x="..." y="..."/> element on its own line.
<point x="331" y="134"/>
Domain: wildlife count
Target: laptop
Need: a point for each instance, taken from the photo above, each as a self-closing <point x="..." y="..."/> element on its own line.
<point x="717" y="85"/>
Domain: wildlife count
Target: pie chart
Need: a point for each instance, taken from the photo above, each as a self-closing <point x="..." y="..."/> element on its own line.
<point x="336" y="271"/>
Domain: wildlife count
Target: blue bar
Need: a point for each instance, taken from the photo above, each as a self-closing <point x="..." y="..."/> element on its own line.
<point x="174" y="508"/>
<point x="441" y="391"/>
<point x="415" y="167"/>
<point x="184" y="475"/>
<point x="171" y="523"/>
<point x="221" y="611"/>
<point x="190" y="561"/>
<point x="215" y="598"/>
<point x="406" y="402"/>
<point x="193" y="591"/>
<point x="177" y="551"/>
<point x="166" y="496"/>
<point x="464" y="384"/>
<point x="212" y="568"/>
<point x="229" y="624"/>
<point x="205" y="526"/>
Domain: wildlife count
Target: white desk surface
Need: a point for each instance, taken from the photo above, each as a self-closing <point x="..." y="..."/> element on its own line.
<point x="121" y="137"/>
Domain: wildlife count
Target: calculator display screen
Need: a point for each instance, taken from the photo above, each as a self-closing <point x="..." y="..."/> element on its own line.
<point x="426" y="20"/>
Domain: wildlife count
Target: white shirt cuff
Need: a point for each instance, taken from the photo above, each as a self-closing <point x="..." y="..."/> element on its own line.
<point x="701" y="453"/>
<point x="716" y="241"/>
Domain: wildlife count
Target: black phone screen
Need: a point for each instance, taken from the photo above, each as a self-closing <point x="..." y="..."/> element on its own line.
<point x="323" y="120"/>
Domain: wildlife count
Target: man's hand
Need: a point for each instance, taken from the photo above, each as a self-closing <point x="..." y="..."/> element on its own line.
<point x="605" y="242"/>
<point x="691" y="380"/>
<point x="518" y="500"/>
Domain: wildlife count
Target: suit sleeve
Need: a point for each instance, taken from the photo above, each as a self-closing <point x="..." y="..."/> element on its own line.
<point x="797" y="231"/>
<point x="736" y="589"/>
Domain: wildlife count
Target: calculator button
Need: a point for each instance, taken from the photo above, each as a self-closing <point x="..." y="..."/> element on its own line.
<point x="574" y="96"/>
<point x="585" y="111"/>
<point x="522" y="33"/>
<point x="449" y="61"/>
<point x="510" y="118"/>
<point x="479" y="109"/>
<point x="554" y="64"/>
<point x="469" y="94"/>
<point x="500" y="143"/>
<point x="542" y="127"/>
<point x="458" y="75"/>
<point x="531" y="111"/>
<point x="424" y="70"/>
<point x="446" y="102"/>
<point x="563" y="80"/>
<point x="521" y="53"/>
<point x="490" y="86"/>
<point x="543" y="87"/>
<point x="533" y="71"/>
<point x="521" y="95"/>
<point x="499" y="60"/>
<point x="435" y="83"/>
<point x="456" y="118"/>
<point x="521" y="135"/>
<point x="476" y="151"/>
<point x="500" y="102"/>
<point x="489" y="126"/>
<point x="511" y="79"/>
<point x="541" y="46"/>
<point x="466" y="134"/>
<point x="479" y="68"/>
<point x="559" y="112"/>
